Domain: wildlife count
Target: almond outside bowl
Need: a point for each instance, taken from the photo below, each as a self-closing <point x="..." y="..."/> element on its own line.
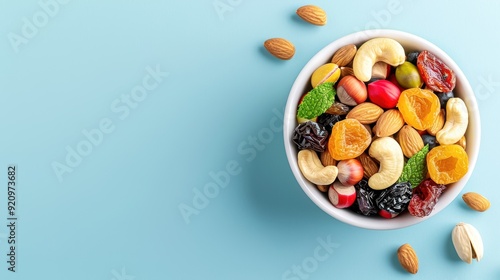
<point x="410" y="43"/>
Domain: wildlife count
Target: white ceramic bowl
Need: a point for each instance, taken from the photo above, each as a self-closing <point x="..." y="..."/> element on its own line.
<point x="410" y="43"/>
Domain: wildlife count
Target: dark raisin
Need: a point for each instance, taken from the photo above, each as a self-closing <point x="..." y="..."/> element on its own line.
<point x="338" y="108"/>
<point x="425" y="197"/>
<point x="328" y="120"/>
<point x="443" y="98"/>
<point x="310" y="135"/>
<point x="412" y="57"/>
<point x="431" y="140"/>
<point x="395" y="198"/>
<point x="365" y="199"/>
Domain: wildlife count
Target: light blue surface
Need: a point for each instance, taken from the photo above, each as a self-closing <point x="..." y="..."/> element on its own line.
<point x="116" y="214"/>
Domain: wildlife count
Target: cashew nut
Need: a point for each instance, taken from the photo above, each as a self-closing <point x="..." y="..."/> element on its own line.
<point x="457" y="120"/>
<point x="311" y="167"/>
<point x="388" y="152"/>
<point x="386" y="50"/>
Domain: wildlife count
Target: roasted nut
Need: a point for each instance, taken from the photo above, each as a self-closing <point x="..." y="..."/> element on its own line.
<point x="370" y="166"/>
<point x="408" y="258"/>
<point x="388" y="152"/>
<point x="476" y="201"/>
<point x="410" y="141"/>
<point x="329" y="72"/>
<point x="351" y="91"/>
<point x="344" y="55"/>
<point x="467" y="242"/>
<point x="380" y="70"/>
<point x="462" y="142"/>
<point x="326" y="158"/>
<point x="346" y="71"/>
<point x="438" y="123"/>
<point x="312" y="14"/>
<point x="390" y="122"/>
<point x="280" y="48"/>
<point x="366" y="113"/>
<point x="323" y="188"/>
<point x="312" y="169"/>
<point x="350" y="172"/>
<point x="387" y="50"/>
<point x="457" y="120"/>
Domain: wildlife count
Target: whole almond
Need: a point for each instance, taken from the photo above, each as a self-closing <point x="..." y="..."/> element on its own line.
<point x="438" y="123"/>
<point x="344" y="55"/>
<point x="410" y="141"/>
<point x="370" y="165"/>
<point x="323" y="188"/>
<point x="346" y="71"/>
<point x="476" y="201"/>
<point x="365" y="113"/>
<point x="280" y="48"/>
<point x="312" y="14"/>
<point x="326" y="158"/>
<point x="462" y="142"/>
<point x="408" y="258"/>
<point x="390" y="122"/>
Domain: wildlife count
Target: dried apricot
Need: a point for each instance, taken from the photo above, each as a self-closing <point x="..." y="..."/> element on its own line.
<point x="349" y="139"/>
<point x="447" y="163"/>
<point x="419" y="107"/>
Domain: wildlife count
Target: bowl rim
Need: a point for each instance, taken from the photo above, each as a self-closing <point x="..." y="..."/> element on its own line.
<point x="289" y="124"/>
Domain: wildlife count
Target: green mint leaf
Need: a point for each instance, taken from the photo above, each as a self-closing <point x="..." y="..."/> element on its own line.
<point x="415" y="168"/>
<point x="317" y="101"/>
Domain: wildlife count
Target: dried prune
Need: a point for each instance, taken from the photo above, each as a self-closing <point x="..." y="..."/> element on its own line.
<point x="365" y="199"/>
<point x="436" y="75"/>
<point x="395" y="198"/>
<point x="310" y="135"/>
<point x="328" y="120"/>
<point x="425" y="196"/>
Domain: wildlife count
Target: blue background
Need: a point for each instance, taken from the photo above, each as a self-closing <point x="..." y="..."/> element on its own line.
<point x="116" y="213"/>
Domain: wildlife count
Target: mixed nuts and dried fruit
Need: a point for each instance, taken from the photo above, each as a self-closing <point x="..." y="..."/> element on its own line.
<point x="382" y="131"/>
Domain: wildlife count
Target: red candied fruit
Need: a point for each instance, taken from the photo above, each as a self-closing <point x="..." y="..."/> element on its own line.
<point x="435" y="73"/>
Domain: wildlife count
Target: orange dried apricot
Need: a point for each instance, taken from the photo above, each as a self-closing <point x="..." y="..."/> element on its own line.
<point x="447" y="163"/>
<point x="349" y="139"/>
<point x="420" y="107"/>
